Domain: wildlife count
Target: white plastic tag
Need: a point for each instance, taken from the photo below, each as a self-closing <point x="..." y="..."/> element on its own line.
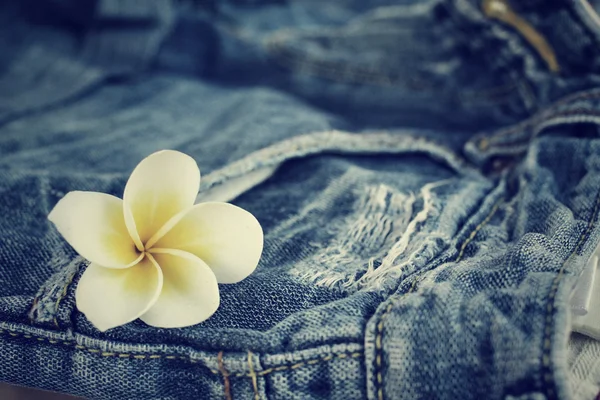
<point x="585" y="300"/>
<point x="582" y="293"/>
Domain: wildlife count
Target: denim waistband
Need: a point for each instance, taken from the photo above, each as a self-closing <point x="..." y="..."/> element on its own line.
<point x="549" y="49"/>
<point x="465" y="59"/>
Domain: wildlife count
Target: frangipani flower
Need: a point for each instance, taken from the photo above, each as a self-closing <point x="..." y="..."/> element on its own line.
<point x="155" y="255"/>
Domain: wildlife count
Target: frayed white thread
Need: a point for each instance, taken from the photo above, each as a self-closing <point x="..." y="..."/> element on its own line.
<point x="427" y="250"/>
<point x="383" y="217"/>
<point x="428" y="208"/>
<point x="388" y="267"/>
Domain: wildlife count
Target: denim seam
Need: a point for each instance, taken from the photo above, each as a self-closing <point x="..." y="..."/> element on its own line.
<point x="485" y="221"/>
<point x="253" y="376"/>
<point x="225" y="373"/>
<point x="567" y="113"/>
<point x="102" y="353"/>
<point x="486" y="143"/>
<point x="544" y="114"/>
<point x="304" y="363"/>
<point x="380" y="325"/>
<point x="379" y="339"/>
<point x="578" y="96"/>
<point x="339" y="142"/>
<point x="551" y="306"/>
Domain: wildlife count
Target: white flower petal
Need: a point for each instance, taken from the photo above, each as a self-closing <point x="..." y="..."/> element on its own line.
<point x="131" y="228"/>
<point x="94" y="226"/>
<point x="162" y="185"/>
<point x="227" y="238"/>
<point x="189" y="295"/>
<point x="113" y="297"/>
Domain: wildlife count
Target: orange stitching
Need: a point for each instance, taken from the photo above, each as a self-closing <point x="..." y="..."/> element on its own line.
<point x="547" y="347"/>
<point x="171" y="357"/>
<point x="253" y="376"/>
<point x="225" y="374"/>
<point x="379" y="337"/>
<point x="303" y="363"/>
<point x="477" y="229"/>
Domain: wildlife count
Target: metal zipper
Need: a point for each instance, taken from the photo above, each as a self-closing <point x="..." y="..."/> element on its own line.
<point x="501" y="10"/>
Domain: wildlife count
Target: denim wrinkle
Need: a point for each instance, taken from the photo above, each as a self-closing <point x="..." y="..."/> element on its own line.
<point x="428" y="189"/>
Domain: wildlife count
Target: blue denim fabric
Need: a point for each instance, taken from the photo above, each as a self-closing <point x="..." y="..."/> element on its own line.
<point x="429" y="192"/>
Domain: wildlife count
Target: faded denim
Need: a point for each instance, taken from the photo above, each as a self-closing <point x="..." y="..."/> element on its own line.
<point x="429" y="192"/>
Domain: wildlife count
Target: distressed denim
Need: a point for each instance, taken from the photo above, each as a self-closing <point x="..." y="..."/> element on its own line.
<point x="428" y="187"/>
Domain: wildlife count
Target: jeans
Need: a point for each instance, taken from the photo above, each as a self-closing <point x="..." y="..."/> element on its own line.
<point x="426" y="176"/>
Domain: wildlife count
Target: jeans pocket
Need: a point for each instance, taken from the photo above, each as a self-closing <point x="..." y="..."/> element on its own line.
<point x="346" y="217"/>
